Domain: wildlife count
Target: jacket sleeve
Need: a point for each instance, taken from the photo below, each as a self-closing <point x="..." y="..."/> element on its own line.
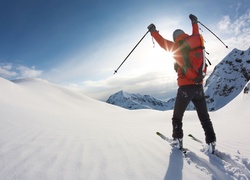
<point x="164" y="43"/>
<point x="195" y="28"/>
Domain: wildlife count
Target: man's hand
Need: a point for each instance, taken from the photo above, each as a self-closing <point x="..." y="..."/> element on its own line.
<point x="151" y="28"/>
<point x="193" y="18"/>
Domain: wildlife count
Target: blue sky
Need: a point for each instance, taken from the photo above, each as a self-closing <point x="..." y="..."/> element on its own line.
<point x="79" y="43"/>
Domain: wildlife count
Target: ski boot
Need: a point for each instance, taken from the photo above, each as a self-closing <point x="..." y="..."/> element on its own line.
<point x="177" y="143"/>
<point x="211" y="147"/>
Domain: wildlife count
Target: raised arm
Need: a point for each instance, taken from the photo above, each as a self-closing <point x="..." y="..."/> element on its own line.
<point x="195" y="26"/>
<point x="164" y="43"/>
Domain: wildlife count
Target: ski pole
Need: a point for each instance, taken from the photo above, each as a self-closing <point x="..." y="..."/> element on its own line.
<point x="130" y="52"/>
<point x="213" y="33"/>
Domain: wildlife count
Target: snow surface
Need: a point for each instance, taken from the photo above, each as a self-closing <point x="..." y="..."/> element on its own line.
<point x="49" y="132"/>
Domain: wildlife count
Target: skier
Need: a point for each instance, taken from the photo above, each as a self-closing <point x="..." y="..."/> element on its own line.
<point x="188" y="89"/>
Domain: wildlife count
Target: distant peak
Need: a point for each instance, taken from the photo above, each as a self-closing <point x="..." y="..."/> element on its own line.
<point x="123" y="93"/>
<point x="120" y="92"/>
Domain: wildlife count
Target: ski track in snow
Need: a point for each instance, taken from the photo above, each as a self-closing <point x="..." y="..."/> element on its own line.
<point x="221" y="165"/>
<point x="238" y="165"/>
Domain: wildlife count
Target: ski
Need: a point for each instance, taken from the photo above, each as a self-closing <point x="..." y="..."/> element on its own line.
<point x="195" y="139"/>
<point x="169" y="140"/>
<point x="204" y="146"/>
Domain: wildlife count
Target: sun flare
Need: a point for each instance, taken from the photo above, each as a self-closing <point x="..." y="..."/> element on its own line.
<point x="169" y="55"/>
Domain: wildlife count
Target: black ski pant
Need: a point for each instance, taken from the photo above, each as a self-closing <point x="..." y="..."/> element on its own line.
<point x="185" y="95"/>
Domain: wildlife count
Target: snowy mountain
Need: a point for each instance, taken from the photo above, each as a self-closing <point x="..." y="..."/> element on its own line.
<point x="50" y="132"/>
<point x="137" y="101"/>
<point x="228" y="79"/>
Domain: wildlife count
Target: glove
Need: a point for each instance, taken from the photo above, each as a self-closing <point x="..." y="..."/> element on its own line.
<point x="151" y="28"/>
<point x="193" y="18"/>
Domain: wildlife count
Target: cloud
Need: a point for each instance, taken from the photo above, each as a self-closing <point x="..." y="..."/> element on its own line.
<point x="224" y="23"/>
<point x="6" y="71"/>
<point x="152" y="83"/>
<point x="240" y="31"/>
<point x="9" y="70"/>
<point x="234" y="31"/>
<point x="237" y="26"/>
<point x="25" y="71"/>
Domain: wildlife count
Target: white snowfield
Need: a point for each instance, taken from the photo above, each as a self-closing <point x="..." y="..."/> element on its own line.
<point x="50" y="132"/>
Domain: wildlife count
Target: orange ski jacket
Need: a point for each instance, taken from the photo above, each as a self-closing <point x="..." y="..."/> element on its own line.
<point x="173" y="47"/>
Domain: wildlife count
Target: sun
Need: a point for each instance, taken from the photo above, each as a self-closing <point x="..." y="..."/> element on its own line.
<point x="169" y="63"/>
<point x="169" y="55"/>
<point x="154" y="60"/>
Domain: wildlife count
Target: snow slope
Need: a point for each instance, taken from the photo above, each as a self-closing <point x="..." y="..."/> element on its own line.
<point x="49" y="132"/>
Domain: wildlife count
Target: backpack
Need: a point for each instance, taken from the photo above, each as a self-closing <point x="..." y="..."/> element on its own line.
<point x="193" y="53"/>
